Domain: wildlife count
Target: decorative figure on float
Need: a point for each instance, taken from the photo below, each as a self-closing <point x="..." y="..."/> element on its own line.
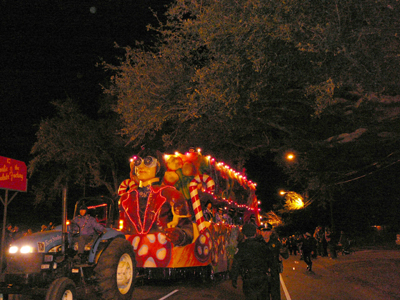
<point x="148" y="207"/>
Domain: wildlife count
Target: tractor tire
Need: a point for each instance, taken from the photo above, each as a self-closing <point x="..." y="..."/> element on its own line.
<point x="61" y="289"/>
<point x="116" y="271"/>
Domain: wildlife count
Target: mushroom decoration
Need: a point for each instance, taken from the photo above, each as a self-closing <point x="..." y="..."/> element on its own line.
<point x="152" y="250"/>
<point x="203" y="246"/>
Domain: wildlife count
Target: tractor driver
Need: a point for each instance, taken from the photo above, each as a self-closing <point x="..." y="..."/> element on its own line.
<point x="88" y="228"/>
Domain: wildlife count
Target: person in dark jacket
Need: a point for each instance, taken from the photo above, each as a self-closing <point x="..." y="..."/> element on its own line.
<point x="278" y="251"/>
<point x="330" y="243"/>
<point x="308" y="249"/>
<point x="252" y="261"/>
<point x="319" y="236"/>
<point x="292" y="245"/>
<point x="344" y="243"/>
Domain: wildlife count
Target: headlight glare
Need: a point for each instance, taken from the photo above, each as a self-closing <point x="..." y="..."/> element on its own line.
<point x="13" y="249"/>
<point x="26" y="249"/>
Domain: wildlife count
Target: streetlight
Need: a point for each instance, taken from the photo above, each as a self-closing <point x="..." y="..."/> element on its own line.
<point x="290" y="156"/>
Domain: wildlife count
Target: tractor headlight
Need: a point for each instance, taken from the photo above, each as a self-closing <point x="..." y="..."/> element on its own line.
<point x="26" y="249"/>
<point x="13" y="249"/>
<point x="23" y="250"/>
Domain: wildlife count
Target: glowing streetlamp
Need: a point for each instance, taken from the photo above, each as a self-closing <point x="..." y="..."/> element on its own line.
<point x="290" y="156"/>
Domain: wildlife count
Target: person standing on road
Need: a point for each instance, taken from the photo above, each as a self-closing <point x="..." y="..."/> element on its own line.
<point x="292" y="245"/>
<point x="252" y="261"/>
<point x="308" y="249"/>
<point x="275" y="247"/>
<point x="319" y="236"/>
<point x="344" y="243"/>
<point x="331" y="244"/>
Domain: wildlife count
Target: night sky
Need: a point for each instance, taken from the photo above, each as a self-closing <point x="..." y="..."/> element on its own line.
<point x="49" y="51"/>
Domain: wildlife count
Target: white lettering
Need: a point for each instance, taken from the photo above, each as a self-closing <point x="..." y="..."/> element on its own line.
<point x="52" y="240"/>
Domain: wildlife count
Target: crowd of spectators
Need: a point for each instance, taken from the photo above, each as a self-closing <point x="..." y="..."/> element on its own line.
<point x="220" y="214"/>
<point x="13" y="233"/>
<point x="321" y="243"/>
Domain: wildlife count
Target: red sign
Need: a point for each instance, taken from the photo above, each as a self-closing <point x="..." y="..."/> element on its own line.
<point x="12" y="174"/>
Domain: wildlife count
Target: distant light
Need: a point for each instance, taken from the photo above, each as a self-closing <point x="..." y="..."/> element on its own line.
<point x="93" y="9"/>
<point x="290" y="156"/>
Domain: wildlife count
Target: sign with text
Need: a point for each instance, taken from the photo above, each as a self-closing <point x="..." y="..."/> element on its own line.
<point x="12" y="174"/>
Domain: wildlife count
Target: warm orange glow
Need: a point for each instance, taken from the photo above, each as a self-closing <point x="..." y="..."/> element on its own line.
<point x="121" y="224"/>
<point x="225" y="169"/>
<point x="290" y="156"/>
<point x="294" y="201"/>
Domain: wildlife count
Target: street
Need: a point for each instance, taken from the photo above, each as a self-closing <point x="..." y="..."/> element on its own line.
<point x="366" y="274"/>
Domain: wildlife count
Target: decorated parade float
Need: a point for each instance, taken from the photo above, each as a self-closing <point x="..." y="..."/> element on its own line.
<point x="181" y="240"/>
<point x="177" y="216"/>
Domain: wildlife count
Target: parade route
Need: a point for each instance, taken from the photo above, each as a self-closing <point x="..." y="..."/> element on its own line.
<point x="365" y="274"/>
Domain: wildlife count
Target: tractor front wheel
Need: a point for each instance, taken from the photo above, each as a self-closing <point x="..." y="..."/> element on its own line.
<point x="61" y="289"/>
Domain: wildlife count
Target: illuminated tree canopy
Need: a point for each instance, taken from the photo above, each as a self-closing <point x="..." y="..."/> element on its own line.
<point x="241" y="77"/>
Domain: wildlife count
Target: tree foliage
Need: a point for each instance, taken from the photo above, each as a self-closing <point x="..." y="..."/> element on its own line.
<point x="73" y="149"/>
<point x="249" y="76"/>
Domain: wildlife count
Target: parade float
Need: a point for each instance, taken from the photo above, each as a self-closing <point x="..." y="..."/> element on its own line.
<point x="200" y="179"/>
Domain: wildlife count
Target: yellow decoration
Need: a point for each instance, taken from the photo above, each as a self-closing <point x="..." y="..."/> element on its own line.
<point x="188" y="169"/>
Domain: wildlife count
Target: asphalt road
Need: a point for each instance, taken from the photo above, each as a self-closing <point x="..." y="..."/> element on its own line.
<point x="364" y="275"/>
